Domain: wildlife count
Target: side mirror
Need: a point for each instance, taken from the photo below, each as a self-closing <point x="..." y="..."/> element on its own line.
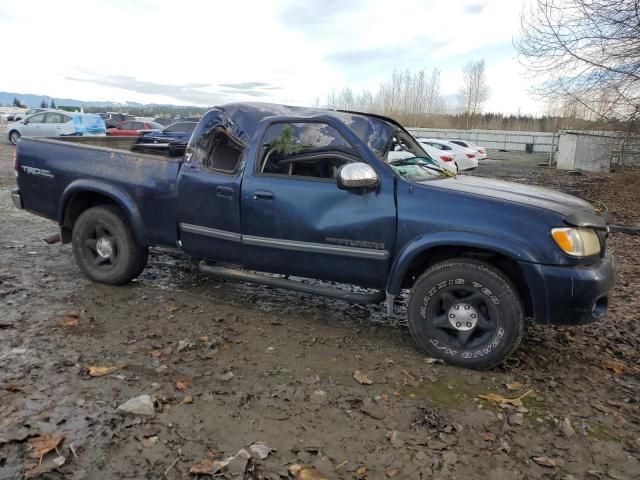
<point x="357" y="175"/>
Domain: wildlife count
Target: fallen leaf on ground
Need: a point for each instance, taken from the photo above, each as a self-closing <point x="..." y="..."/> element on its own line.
<point x="362" y="378"/>
<point x="362" y="472"/>
<point x="392" y="472"/>
<point x="203" y="338"/>
<point x="182" y="383"/>
<point x="71" y="319"/>
<point x="44" y="467"/>
<point x="101" y="371"/>
<point x="187" y="400"/>
<point x="207" y="467"/>
<point x="566" y="428"/>
<point x="149" y="441"/>
<point x="260" y="450"/>
<point x="544" y="461"/>
<point x="42" y="445"/>
<point x="615" y="366"/>
<point x="306" y="473"/>
<point x="500" y="400"/>
<point x="49" y="279"/>
<point x="210" y="466"/>
<point x="488" y="436"/>
<point x="514" y="386"/>
<point x="410" y="379"/>
<point x="157" y="353"/>
<point x="395" y="439"/>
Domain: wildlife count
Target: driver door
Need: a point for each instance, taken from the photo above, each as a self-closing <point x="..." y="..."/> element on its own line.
<point x="295" y="220"/>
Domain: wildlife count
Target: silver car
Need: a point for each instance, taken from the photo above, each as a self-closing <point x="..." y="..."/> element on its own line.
<point x="53" y="123"/>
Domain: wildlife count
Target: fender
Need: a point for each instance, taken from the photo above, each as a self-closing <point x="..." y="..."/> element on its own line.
<point x="419" y="244"/>
<point x="123" y="200"/>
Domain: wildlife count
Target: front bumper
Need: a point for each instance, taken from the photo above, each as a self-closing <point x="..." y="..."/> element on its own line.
<point x="570" y="295"/>
<point x="16" y="197"/>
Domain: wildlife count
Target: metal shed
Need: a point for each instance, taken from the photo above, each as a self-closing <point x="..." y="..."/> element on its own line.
<point x="594" y="151"/>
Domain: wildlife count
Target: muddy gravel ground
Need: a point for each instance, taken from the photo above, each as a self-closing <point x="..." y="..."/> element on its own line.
<point x="228" y="367"/>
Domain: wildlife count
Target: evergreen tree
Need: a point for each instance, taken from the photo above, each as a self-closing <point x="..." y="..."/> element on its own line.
<point x="53" y="104"/>
<point x="43" y="103"/>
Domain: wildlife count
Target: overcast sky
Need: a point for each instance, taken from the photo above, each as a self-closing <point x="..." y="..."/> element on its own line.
<point x="290" y="51"/>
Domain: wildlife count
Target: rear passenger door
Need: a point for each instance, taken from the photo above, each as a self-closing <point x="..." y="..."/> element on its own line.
<point x="53" y="122"/>
<point x="209" y="198"/>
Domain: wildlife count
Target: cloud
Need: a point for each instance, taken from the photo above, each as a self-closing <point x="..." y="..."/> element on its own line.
<point x="474" y="8"/>
<point x="191" y="92"/>
<point x="308" y="14"/>
<point x="302" y="50"/>
<point x="251" y="93"/>
<point x="244" y="85"/>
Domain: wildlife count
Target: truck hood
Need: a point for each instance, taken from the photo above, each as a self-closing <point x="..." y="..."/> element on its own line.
<point x="539" y="197"/>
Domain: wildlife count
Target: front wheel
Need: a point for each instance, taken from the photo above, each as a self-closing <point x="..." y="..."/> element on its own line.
<point x="466" y="312"/>
<point x="14" y="136"/>
<point x="105" y="248"/>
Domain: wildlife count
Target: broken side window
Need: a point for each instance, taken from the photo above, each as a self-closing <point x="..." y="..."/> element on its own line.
<point x="305" y="149"/>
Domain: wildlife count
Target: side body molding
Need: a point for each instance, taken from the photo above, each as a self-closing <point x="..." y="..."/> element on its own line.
<point x="418" y="245"/>
<point x="122" y="199"/>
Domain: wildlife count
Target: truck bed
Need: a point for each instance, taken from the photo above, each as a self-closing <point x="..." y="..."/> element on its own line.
<point x="54" y="167"/>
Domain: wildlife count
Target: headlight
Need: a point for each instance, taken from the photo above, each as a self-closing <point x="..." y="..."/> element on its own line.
<point x="577" y="242"/>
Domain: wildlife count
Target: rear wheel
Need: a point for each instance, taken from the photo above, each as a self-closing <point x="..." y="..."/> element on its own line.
<point x="14" y="136"/>
<point x="466" y="312"/>
<point x="105" y="248"/>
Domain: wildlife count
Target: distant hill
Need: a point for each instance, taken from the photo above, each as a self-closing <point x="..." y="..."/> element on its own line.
<point x="34" y="101"/>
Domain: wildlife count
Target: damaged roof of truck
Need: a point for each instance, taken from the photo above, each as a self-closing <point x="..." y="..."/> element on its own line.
<point x="241" y="121"/>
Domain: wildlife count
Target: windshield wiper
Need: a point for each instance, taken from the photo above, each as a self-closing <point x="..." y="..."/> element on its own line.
<point x="426" y="163"/>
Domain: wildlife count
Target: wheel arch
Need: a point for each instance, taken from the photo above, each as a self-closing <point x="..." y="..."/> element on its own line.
<point x="83" y="194"/>
<point x="422" y="253"/>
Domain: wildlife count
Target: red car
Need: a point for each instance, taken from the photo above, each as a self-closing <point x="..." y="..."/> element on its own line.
<point x="133" y="128"/>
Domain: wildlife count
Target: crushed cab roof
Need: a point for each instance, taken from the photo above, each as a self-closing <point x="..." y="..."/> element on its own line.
<point x="243" y="118"/>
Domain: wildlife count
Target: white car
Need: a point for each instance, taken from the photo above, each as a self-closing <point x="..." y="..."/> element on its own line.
<point x="465" y="158"/>
<point x="443" y="158"/>
<point x="55" y="123"/>
<point x="481" y="152"/>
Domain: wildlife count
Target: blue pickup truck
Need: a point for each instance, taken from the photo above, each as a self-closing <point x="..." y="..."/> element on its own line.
<point x="275" y="195"/>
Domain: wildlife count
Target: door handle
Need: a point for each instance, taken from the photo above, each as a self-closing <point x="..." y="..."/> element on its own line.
<point x="224" y="191"/>
<point x="263" y="195"/>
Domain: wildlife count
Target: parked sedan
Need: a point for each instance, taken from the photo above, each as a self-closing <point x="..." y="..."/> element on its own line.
<point x="113" y="119"/>
<point x="465" y="158"/>
<point x="178" y="131"/>
<point x="133" y="128"/>
<point x="52" y="123"/>
<point x="171" y="140"/>
<point x="481" y="152"/>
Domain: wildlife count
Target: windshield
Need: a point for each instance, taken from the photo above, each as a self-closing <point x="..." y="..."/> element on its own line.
<point x="410" y="162"/>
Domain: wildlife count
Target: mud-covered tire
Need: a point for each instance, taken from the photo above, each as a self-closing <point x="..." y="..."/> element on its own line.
<point x="466" y="312"/>
<point x="14" y="137"/>
<point x="104" y="246"/>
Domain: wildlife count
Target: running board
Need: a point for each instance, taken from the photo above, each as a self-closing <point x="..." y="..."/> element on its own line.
<point x="279" y="282"/>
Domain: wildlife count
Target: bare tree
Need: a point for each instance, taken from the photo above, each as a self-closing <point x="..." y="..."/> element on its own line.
<point x="586" y="51"/>
<point x="474" y="91"/>
<point x="407" y="96"/>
